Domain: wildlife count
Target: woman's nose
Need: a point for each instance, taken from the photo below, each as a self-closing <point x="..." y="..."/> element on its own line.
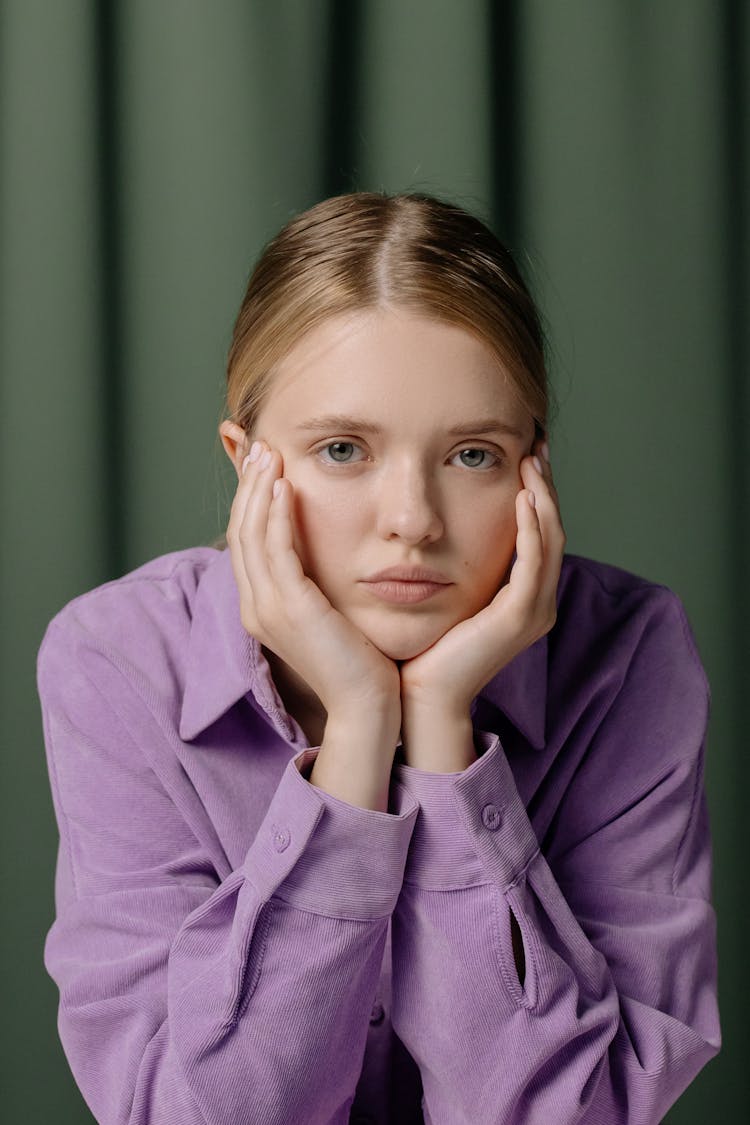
<point x="408" y="508"/>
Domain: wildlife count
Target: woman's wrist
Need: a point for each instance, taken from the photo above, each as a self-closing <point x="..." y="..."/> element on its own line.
<point x="355" y="759"/>
<point x="436" y="741"/>
<point x="381" y="716"/>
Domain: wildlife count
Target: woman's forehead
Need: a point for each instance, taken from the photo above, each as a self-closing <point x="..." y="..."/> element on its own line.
<point x="368" y="362"/>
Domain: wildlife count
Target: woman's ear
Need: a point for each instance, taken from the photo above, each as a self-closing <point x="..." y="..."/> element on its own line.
<point x="236" y="446"/>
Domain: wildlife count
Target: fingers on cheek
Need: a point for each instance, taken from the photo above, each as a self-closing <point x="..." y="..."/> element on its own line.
<point x="533" y="475"/>
<point x="552" y="510"/>
<point x="242" y="497"/>
<point x="545" y="489"/>
<point x="538" y="466"/>
<point x="529" y="543"/>
<point x="237" y="515"/>
<point x="526" y="508"/>
<point x="239" y="512"/>
<point x="548" y="480"/>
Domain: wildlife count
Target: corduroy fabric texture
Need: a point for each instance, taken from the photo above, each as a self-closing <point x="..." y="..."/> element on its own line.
<point x="234" y="946"/>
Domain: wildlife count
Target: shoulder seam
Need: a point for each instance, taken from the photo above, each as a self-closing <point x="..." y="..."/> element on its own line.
<point x="131" y="577"/>
<point x="127" y="579"/>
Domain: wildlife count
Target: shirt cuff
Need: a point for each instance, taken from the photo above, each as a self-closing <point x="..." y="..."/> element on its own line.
<point x="319" y="853"/>
<point x="472" y="826"/>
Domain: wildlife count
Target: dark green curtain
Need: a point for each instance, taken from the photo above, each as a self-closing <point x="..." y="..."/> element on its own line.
<point x="149" y="148"/>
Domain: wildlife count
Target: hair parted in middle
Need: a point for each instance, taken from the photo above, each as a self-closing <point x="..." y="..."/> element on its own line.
<point x="370" y="250"/>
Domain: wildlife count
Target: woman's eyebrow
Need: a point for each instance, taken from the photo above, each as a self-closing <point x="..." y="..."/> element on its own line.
<point x="347" y="422"/>
<point x="339" y="422"/>
<point x="487" y="426"/>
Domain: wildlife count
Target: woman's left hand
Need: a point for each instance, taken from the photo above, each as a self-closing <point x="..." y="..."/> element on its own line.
<point x="444" y="679"/>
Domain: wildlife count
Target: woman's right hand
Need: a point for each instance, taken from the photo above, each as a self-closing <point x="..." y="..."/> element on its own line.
<point x="288" y="612"/>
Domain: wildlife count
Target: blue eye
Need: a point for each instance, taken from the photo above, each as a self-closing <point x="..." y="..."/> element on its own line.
<point x="338" y="450"/>
<point x="474" y="453"/>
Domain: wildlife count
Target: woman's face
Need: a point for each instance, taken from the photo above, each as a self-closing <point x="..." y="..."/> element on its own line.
<point x="419" y="466"/>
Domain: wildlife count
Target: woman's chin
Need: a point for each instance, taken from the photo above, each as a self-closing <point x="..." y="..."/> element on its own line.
<point x="402" y="640"/>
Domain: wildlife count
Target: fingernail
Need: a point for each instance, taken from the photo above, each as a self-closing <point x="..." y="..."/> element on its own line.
<point x="245" y="464"/>
<point x="545" y="452"/>
<point x="537" y="464"/>
<point x="532" y="499"/>
<point x="254" y="453"/>
<point x="265" y="460"/>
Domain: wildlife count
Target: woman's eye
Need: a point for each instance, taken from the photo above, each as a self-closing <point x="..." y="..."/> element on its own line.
<point x="473" y="458"/>
<point x="339" y="452"/>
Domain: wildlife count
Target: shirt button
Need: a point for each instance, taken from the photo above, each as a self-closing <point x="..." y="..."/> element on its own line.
<point x="377" y="1014"/>
<point x="491" y="817"/>
<point x="281" y="837"/>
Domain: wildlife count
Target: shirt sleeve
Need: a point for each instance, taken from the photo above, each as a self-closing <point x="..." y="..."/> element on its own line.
<point x="189" y="998"/>
<point x="578" y="984"/>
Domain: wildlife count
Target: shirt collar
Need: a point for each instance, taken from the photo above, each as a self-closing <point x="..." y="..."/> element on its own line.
<point x="224" y="663"/>
<point x="519" y="690"/>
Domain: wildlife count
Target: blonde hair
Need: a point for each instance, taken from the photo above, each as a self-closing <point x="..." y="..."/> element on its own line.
<point x="368" y="250"/>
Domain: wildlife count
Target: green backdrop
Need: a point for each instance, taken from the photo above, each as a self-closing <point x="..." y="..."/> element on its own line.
<point x="148" y="149"/>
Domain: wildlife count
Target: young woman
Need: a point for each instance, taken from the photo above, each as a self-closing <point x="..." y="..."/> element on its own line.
<point x="389" y="811"/>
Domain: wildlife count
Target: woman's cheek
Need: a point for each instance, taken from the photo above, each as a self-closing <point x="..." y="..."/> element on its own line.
<point x="317" y="530"/>
<point x="299" y="534"/>
<point x="494" y="564"/>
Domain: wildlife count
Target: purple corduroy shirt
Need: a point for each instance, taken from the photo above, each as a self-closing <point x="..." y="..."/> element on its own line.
<point x="530" y="940"/>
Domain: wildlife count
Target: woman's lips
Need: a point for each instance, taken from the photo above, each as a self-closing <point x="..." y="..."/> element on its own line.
<point x="405" y="593"/>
